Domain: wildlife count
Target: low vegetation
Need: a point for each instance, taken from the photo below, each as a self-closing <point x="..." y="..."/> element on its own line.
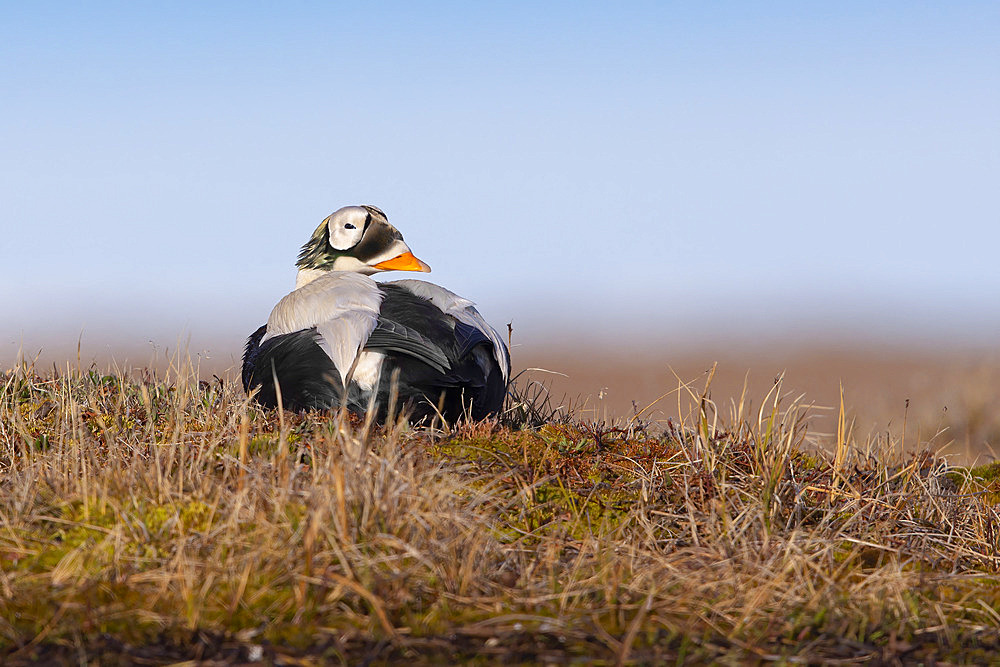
<point x="156" y="519"/>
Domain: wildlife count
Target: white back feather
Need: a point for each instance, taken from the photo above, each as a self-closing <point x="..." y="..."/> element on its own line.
<point x="342" y="305"/>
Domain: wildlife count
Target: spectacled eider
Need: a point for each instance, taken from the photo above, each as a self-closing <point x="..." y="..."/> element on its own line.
<point x="339" y="325"/>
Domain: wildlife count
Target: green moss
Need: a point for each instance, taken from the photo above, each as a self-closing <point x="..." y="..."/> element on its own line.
<point x="156" y="517"/>
<point x="983" y="480"/>
<point x="191" y="516"/>
<point x="195" y="516"/>
<point x="807" y="461"/>
<point x="263" y="445"/>
<point x="989" y="472"/>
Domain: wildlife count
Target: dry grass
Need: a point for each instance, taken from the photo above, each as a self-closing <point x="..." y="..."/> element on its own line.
<point x="157" y="519"/>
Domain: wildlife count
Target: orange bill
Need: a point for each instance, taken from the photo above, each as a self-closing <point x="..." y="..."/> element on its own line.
<point x="404" y="262"/>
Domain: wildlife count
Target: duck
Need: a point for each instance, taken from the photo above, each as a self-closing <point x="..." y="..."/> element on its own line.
<point x="343" y="339"/>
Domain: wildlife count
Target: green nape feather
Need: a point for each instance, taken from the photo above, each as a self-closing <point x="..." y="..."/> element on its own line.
<point x="317" y="253"/>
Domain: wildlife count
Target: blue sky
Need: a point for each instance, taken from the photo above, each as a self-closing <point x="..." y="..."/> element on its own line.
<point x="674" y="169"/>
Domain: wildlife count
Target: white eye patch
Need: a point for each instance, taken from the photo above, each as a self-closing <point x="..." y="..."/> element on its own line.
<point x="346" y="228"/>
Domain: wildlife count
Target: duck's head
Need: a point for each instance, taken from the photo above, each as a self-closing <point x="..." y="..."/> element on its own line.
<point x="356" y="238"/>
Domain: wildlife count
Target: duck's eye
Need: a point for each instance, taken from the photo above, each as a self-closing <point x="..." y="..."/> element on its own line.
<point x="349" y="226"/>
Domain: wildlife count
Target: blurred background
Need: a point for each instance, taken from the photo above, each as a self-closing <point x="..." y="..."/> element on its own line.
<point x="640" y="190"/>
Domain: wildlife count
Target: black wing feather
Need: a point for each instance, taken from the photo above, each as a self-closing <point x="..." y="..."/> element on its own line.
<point x="306" y="375"/>
<point x="390" y="336"/>
<point x="468" y="337"/>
